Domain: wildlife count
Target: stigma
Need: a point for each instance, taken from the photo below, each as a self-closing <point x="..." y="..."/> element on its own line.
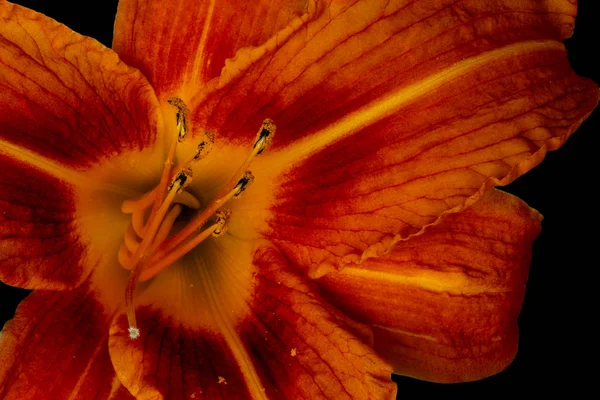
<point x="151" y="242"/>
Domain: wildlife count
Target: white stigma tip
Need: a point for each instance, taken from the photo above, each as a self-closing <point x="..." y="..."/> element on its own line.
<point x="134" y="332"/>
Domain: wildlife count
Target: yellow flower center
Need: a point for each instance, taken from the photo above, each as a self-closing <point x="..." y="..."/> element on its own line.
<point x="151" y="243"/>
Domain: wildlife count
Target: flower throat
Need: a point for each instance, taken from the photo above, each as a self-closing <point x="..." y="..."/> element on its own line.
<point x="150" y="245"/>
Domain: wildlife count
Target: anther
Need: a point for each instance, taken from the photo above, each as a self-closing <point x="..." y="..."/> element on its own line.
<point x="202" y="150"/>
<point x="182" y="113"/>
<point x="221" y="222"/>
<point x="243" y="183"/>
<point x="205" y="146"/>
<point x="181" y="180"/>
<point x="264" y="136"/>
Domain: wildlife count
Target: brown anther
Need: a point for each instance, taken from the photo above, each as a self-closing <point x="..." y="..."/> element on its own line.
<point x="222" y="219"/>
<point x="264" y="136"/>
<point x="182" y="113"/>
<point x="181" y="180"/>
<point x="205" y="146"/>
<point x="243" y="183"/>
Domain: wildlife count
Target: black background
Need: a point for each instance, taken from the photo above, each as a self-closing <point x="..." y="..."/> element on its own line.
<point x="558" y="340"/>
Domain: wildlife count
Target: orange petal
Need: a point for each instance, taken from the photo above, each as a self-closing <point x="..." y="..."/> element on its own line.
<point x="181" y="44"/>
<point x="444" y="305"/>
<point x="357" y="63"/>
<point x="280" y="341"/>
<point x="66" y="100"/>
<point x="390" y="114"/>
<point x="57" y="225"/>
<point x="358" y="197"/>
<point x="56" y="348"/>
<point x="39" y="246"/>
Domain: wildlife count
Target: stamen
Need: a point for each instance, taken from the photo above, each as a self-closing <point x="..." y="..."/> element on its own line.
<point x="137" y="221"/>
<point x="180" y="181"/>
<point x="188" y="200"/>
<point x="161" y="261"/>
<point x="201" y="219"/>
<point x="164" y="177"/>
<point x="243" y="183"/>
<point x="144" y="201"/>
<point x="202" y="150"/>
<point x="182" y="113"/>
<point x="123" y="256"/>
<point x="222" y="219"/>
<point x="264" y="136"/>
<point x="131" y="239"/>
<point x="182" y="130"/>
<point x="147" y="248"/>
<point x="165" y="227"/>
<point x="205" y="146"/>
<point x="175" y="187"/>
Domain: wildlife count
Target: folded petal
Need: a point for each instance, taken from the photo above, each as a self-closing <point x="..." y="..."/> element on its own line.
<point x="241" y="330"/>
<point x="56" y="348"/>
<point x="391" y="114"/>
<point x="181" y="44"/>
<point x="65" y="99"/>
<point x="444" y="305"/>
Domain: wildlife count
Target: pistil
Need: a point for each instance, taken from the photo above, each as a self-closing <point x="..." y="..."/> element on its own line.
<point x="178" y="184"/>
<point x="147" y="247"/>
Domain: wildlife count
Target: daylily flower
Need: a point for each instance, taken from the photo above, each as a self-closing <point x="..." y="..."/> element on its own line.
<point x="275" y="199"/>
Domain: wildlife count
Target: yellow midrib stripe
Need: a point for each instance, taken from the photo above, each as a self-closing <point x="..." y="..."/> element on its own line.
<point x="232" y="339"/>
<point x="439" y="282"/>
<point x="388" y="105"/>
<point x="200" y="62"/>
<point x="407" y="333"/>
<point x="99" y="347"/>
<point x="28" y="157"/>
<point x="61" y="172"/>
<point x="114" y="388"/>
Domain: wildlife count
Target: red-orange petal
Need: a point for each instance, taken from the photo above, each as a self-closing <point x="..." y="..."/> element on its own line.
<point x="181" y="44"/>
<point x="287" y="344"/>
<point x="65" y="98"/>
<point x="390" y="114"/>
<point x="351" y="55"/>
<point x="357" y="197"/>
<point x="444" y="305"/>
<point x="39" y="244"/>
<point x="56" y="348"/>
